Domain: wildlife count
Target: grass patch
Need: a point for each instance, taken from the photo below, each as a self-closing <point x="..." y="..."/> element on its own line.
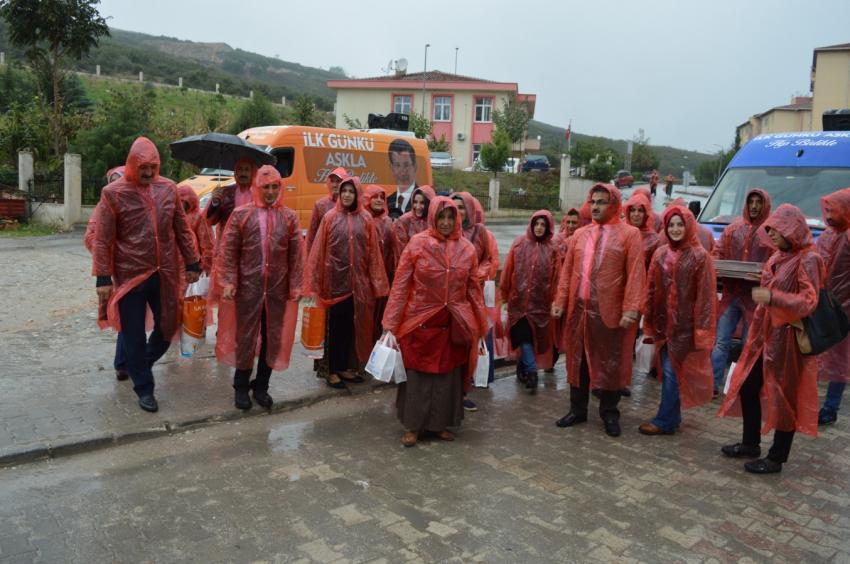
<point x="30" y="230"/>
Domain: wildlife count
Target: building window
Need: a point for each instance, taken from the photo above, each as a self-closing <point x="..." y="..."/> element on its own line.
<point x="476" y="151"/>
<point x="483" y="109"/>
<point x="401" y="104"/>
<point x="442" y="108"/>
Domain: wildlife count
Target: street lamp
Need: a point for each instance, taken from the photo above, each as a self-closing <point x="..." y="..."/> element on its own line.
<point x="424" y="77"/>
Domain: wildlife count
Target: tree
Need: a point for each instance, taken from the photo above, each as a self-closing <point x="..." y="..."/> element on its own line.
<point x="644" y="158"/>
<point x="495" y="154"/>
<point x="419" y="125"/>
<point x="51" y="31"/>
<point x="352" y="123"/>
<point x="601" y="171"/>
<point x="254" y="113"/>
<point x="306" y="112"/>
<point x="438" y="145"/>
<point x="513" y="119"/>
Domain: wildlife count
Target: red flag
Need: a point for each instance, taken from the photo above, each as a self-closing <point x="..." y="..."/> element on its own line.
<point x="568" y="132"/>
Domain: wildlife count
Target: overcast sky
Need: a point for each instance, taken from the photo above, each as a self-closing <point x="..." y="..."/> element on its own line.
<point x="686" y="72"/>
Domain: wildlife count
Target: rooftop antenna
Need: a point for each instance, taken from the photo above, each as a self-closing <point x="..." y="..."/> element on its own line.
<point x="401" y="66"/>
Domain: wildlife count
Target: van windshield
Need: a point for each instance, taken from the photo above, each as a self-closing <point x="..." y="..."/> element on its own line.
<point x="800" y="186"/>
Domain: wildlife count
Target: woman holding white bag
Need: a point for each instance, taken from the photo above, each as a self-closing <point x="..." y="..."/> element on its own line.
<point x="436" y="311"/>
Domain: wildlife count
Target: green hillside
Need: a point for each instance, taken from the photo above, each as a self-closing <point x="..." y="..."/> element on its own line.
<point x="672" y="160"/>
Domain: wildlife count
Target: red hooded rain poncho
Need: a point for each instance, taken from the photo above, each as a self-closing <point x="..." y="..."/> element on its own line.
<point x="603" y="276"/>
<point x="789" y="396"/>
<point x="196" y="220"/>
<point x="408" y="224"/>
<point x="384" y="228"/>
<point x="529" y="281"/>
<point x="323" y="205"/>
<point x="345" y="261"/>
<point x="680" y="309"/>
<point x="139" y="231"/>
<point x="743" y="239"/>
<point x="834" y="247"/>
<point x="261" y="256"/>
<point x="655" y="222"/>
<point x="476" y="234"/>
<point x="91" y="226"/>
<point x="436" y="273"/>
<point x="647" y="230"/>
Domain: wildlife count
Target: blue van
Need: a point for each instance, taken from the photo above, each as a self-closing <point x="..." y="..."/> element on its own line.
<point x="794" y="168"/>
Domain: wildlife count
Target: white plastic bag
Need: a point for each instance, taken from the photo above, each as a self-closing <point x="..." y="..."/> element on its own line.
<point x="728" y="378"/>
<point x="399" y="372"/>
<point x="644" y="356"/>
<point x="382" y="361"/>
<point x="193" y="329"/>
<point x="482" y="369"/>
<point x="489" y="293"/>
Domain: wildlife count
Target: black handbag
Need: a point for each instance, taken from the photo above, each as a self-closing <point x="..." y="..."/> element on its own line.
<point x="825" y="327"/>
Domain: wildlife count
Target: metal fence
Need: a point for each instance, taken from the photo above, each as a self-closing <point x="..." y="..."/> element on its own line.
<point x="48" y="189"/>
<point x="527" y="201"/>
<point x="91" y="190"/>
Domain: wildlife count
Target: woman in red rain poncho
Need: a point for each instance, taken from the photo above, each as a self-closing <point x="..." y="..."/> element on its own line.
<point x="680" y="319"/>
<point x="346" y="274"/>
<point x="196" y="220"/>
<point x="528" y="285"/>
<point x="656" y="223"/>
<point x="602" y="285"/>
<point x="771" y="374"/>
<point x="326" y="203"/>
<point x="639" y="214"/>
<point x="834" y="247"/>
<point x="436" y="310"/>
<point x="261" y="265"/>
<point x="416" y="220"/>
<point x="375" y="202"/>
<point x="743" y="240"/>
<point x="140" y="227"/>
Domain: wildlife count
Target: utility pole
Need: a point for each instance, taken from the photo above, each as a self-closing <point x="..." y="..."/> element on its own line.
<point x="424" y="77"/>
<point x="456" y="50"/>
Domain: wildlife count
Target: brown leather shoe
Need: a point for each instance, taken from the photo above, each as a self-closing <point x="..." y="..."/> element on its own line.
<point x="409" y="438"/>
<point x="652" y="429"/>
<point x="446" y="436"/>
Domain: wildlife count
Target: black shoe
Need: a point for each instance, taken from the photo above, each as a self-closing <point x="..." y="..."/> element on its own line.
<point x="596" y="392"/>
<point x="739" y="450"/>
<point x="242" y="400"/>
<point x="763" y="466"/>
<point x="520" y="374"/>
<point x="531" y="380"/>
<point x="626" y="393"/>
<point x="827" y="417"/>
<point x="148" y="403"/>
<point x="570" y="419"/>
<point x="263" y="399"/>
<point x="612" y="427"/>
<point x="122" y="375"/>
<point x="340" y="385"/>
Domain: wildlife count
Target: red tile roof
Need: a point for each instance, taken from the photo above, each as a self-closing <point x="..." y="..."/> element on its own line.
<point x="433" y="76"/>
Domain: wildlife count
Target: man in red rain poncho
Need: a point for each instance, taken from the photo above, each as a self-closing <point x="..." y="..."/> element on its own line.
<point x="260" y="263"/>
<point x="528" y="284"/>
<point x="140" y="226"/>
<point x="639" y="214"/>
<point x="326" y="203"/>
<point x="375" y="202"/>
<point x="772" y="374"/>
<point x="197" y="222"/>
<point x="569" y="225"/>
<point x="416" y="220"/>
<point x="743" y="240"/>
<point x="653" y="183"/>
<point x="834" y="247"/>
<point x="680" y="319"/>
<point x="346" y="274"/>
<point x="602" y="285"/>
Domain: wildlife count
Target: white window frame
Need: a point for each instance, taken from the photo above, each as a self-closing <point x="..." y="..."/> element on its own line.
<point x="442" y="108"/>
<point x="399" y="104"/>
<point x="476" y="151"/>
<point x="486" y="107"/>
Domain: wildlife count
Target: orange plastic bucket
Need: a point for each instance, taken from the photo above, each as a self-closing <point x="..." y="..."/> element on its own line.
<point x="313" y="328"/>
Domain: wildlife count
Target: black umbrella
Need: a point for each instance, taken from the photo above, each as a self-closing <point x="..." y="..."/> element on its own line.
<point x="218" y="150"/>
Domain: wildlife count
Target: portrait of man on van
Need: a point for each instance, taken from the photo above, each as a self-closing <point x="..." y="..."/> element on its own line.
<point x="403" y="164"/>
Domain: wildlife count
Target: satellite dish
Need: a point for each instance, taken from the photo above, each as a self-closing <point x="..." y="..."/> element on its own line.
<point x="401" y="65"/>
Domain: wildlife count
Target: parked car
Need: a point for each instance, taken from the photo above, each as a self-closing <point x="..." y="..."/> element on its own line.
<point x="624" y="179"/>
<point x="535" y="162"/>
<point x="205" y="181"/>
<point x="441" y="160"/>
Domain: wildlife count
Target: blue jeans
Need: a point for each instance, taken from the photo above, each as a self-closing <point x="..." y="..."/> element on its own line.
<point x="834" y="391"/>
<point x="527" y="360"/>
<point x="141" y="352"/>
<point x="723" y="343"/>
<point x="669" y="415"/>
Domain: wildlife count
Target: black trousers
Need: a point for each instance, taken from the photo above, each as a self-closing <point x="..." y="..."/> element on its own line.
<point x="242" y="377"/>
<point x="579" y="397"/>
<point x="139" y="351"/>
<point x="340" y="335"/>
<point x="751" y="412"/>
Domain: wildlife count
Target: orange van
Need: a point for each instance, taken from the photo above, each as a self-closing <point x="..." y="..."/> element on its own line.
<point x="306" y="155"/>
